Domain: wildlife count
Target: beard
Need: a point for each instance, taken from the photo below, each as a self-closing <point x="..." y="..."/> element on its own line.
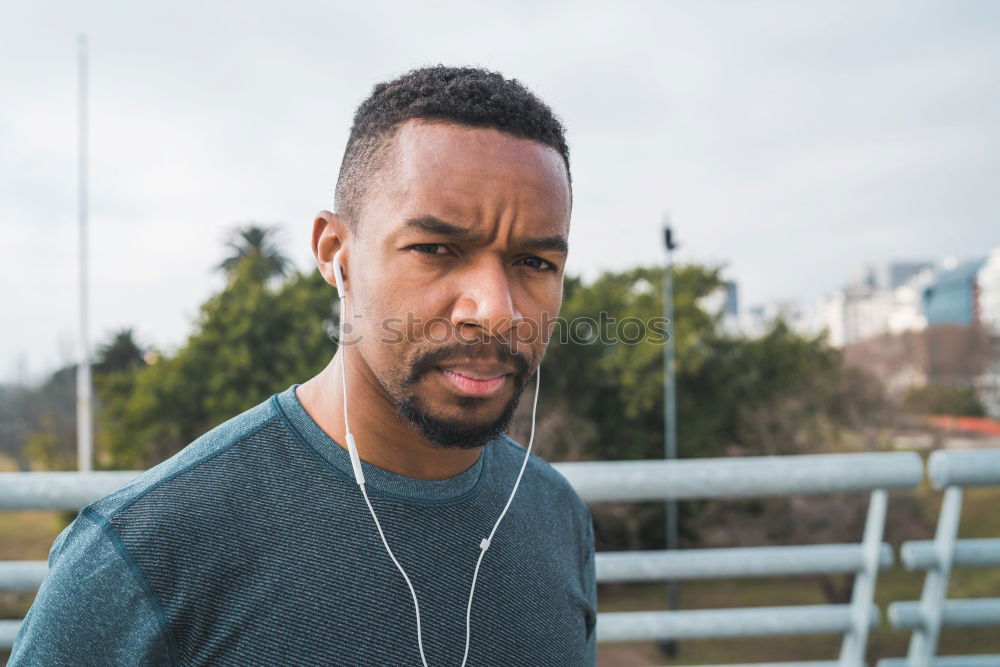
<point x="458" y="433"/>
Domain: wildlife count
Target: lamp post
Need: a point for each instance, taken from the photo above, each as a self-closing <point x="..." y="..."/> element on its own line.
<point x="84" y="408"/>
<point x="669" y="648"/>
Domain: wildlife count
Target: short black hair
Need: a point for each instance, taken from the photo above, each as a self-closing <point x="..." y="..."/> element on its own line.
<point x="462" y="95"/>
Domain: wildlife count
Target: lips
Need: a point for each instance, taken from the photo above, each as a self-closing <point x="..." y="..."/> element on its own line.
<point x="477" y="381"/>
<point x="479" y="371"/>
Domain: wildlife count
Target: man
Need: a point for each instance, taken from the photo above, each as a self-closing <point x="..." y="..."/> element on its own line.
<point x="254" y="544"/>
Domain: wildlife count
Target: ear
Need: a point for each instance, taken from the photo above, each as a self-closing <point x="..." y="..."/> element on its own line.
<point x="329" y="235"/>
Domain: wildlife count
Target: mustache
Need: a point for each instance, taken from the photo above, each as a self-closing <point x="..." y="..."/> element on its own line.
<point x="465" y="352"/>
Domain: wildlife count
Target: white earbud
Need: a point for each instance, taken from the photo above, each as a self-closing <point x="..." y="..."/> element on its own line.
<point x="359" y="476"/>
<point x="338" y="274"/>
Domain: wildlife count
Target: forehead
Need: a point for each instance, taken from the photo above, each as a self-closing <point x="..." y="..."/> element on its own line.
<point x="472" y="175"/>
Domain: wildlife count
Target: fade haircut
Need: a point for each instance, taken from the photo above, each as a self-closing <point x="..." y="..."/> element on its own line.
<point x="462" y="95"/>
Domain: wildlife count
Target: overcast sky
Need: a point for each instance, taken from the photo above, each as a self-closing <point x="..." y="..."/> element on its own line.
<point x="792" y="141"/>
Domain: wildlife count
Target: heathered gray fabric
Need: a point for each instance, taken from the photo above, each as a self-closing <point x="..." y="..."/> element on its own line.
<point x="253" y="546"/>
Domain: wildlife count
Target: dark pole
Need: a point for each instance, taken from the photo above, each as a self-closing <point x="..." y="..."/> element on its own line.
<point x="669" y="647"/>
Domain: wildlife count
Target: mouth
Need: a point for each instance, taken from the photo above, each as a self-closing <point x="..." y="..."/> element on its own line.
<point x="476" y="382"/>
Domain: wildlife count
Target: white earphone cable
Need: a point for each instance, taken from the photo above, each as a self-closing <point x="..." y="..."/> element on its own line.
<point x="483" y="545"/>
<point x="409" y="584"/>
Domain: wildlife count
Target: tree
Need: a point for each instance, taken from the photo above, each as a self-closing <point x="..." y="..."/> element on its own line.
<point x="255" y="253"/>
<point x="615" y="379"/>
<point x="944" y="400"/>
<point x="15" y="422"/>
<point x="781" y="393"/>
<point x="121" y="353"/>
<point x="605" y="391"/>
<point x="251" y="340"/>
<point x="49" y="411"/>
<point x="50" y="443"/>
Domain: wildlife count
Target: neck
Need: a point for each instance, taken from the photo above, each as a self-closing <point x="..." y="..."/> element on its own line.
<point x="383" y="439"/>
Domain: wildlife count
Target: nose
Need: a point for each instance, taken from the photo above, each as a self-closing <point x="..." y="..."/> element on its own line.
<point x="485" y="302"/>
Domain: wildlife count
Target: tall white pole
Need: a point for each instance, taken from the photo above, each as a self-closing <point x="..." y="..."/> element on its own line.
<point x="84" y="419"/>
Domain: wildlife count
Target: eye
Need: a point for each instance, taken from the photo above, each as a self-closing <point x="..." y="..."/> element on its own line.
<point x="539" y="264"/>
<point x="430" y="248"/>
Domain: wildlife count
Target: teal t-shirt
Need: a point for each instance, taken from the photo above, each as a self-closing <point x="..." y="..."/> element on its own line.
<point x="253" y="546"/>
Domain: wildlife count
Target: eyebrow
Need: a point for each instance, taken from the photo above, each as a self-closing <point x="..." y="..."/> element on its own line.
<point x="433" y="225"/>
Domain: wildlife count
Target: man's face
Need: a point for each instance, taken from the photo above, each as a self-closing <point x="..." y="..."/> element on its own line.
<point x="456" y="266"/>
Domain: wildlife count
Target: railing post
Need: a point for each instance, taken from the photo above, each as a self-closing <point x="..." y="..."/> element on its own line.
<point x="924" y="640"/>
<point x="852" y="649"/>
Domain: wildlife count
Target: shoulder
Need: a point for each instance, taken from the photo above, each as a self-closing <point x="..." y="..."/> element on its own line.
<point x="553" y="509"/>
<point x="93" y="605"/>
<point x="222" y="438"/>
<point x="542" y="478"/>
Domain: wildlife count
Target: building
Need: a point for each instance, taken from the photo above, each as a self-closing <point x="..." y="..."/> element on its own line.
<point x="731" y="308"/>
<point x="952" y="297"/>
<point x="866" y="308"/>
<point x="907" y="310"/>
<point x="901" y="273"/>
<point x="988" y="292"/>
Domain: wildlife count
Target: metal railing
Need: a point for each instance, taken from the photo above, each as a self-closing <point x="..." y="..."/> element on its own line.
<point x="46" y="491"/>
<point x="596" y="482"/>
<point x="952" y="471"/>
<point x="751" y="477"/>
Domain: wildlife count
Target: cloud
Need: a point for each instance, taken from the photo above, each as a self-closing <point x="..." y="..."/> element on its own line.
<point x="789" y="140"/>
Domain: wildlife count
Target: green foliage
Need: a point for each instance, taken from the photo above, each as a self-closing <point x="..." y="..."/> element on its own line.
<point x="44" y="446"/>
<point x="618" y="386"/>
<point x="255" y="254"/>
<point x="944" y="400"/>
<point x="121" y="353"/>
<point x="780" y="393"/>
<point x="15" y="421"/>
<point x="50" y="423"/>
<point x="251" y="340"/>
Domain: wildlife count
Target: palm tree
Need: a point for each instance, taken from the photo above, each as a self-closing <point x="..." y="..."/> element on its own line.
<point x="255" y="244"/>
<point x="120" y="352"/>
